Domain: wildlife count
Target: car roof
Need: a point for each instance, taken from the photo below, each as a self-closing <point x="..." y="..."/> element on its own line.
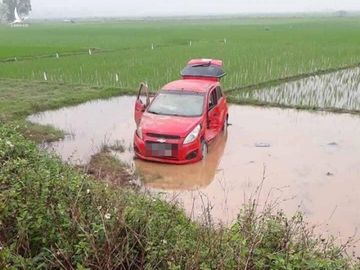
<point x="191" y="85"/>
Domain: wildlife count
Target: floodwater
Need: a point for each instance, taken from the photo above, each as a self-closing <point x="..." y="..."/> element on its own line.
<point x="340" y="89"/>
<point x="308" y="161"/>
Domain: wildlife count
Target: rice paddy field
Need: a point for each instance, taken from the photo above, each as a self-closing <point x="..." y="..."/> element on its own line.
<point x="124" y="53"/>
<point x="57" y="216"/>
<point x="335" y="91"/>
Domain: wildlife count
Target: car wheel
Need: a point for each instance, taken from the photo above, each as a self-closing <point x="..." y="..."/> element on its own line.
<point x="204" y="150"/>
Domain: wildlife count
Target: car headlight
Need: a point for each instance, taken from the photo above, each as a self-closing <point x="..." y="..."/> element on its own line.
<point x="139" y="132"/>
<point x="192" y="135"/>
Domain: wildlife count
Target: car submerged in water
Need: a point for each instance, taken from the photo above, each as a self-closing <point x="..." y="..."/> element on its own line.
<point x="184" y="117"/>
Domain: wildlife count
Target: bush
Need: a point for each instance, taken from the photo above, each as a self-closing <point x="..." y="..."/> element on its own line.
<point x="52" y="216"/>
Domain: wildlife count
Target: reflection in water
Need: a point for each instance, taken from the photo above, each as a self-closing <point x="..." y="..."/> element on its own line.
<point x="185" y="177"/>
<point x="312" y="162"/>
<point x="89" y="126"/>
<point x="339" y="89"/>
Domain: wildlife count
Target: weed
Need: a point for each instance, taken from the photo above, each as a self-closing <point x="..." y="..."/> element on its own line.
<point x="52" y="216"/>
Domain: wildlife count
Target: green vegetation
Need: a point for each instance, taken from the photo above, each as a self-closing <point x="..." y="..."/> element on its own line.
<point x="54" y="217"/>
<point x="40" y="133"/>
<point x="338" y="91"/>
<point x="256" y="50"/>
<point x="106" y="168"/>
<point x="257" y="53"/>
<point x="19" y="98"/>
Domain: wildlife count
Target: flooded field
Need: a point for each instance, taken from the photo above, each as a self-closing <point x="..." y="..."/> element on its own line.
<point x="307" y="161"/>
<point x="339" y="90"/>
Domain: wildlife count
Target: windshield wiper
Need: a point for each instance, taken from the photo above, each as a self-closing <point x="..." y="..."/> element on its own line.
<point x="178" y="115"/>
<point x="170" y="114"/>
<point x="153" y="112"/>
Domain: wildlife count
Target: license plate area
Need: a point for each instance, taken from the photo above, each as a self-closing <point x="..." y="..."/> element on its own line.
<point x="155" y="149"/>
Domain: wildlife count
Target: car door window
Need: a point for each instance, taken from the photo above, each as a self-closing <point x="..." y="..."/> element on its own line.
<point x="143" y="95"/>
<point x="141" y="102"/>
<point x="219" y="93"/>
<point x="212" y="99"/>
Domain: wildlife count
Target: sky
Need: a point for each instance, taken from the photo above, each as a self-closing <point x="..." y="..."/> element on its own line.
<point x="141" y="8"/>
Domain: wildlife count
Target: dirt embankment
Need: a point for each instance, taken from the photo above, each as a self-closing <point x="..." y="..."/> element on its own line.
<point x="104" y="167"/>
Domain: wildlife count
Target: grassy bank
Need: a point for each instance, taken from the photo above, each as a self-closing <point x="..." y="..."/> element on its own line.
<point x="54" y="217"/>
<point x="20" y="98"/>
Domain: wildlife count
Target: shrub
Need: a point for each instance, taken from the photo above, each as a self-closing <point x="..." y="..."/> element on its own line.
<point x="52" y="216"/>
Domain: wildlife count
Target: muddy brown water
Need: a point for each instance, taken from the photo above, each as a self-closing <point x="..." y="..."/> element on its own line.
<point x="310" y="160"/>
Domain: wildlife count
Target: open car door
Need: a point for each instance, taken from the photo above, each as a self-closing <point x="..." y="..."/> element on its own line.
<point x="214" y="116"/>
<point x="141" y="103"/>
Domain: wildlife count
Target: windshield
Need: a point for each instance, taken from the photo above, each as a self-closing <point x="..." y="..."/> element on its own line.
<point x="177" y="103"/>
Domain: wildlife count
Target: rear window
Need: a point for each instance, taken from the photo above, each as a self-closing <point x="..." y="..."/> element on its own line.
<point x="203" y="71"/>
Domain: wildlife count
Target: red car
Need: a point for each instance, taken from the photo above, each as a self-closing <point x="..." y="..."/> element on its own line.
<point x="184" y="117"/>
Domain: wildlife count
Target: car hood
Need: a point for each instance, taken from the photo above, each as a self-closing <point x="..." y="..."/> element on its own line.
<point x="168" y="125"/>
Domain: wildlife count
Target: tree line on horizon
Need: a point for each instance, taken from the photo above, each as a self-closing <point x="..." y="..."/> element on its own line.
<point x="7" y="8"/>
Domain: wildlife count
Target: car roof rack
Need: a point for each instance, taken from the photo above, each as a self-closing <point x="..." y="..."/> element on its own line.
<point x="203" y="68"/>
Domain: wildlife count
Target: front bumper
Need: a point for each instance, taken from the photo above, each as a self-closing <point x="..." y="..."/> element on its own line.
<point x="184" y="154"/>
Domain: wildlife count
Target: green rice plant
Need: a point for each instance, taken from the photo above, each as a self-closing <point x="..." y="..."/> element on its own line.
<point x="251" y="54"/>
<point x="339" y="90"/>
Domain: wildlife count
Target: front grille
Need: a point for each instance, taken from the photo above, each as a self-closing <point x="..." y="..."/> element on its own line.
<point x="164" y="150"/>
<point x="164" y="136"/>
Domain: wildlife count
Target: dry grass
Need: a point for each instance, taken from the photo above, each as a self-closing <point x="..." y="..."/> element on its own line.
<point x="104" y="167"/>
